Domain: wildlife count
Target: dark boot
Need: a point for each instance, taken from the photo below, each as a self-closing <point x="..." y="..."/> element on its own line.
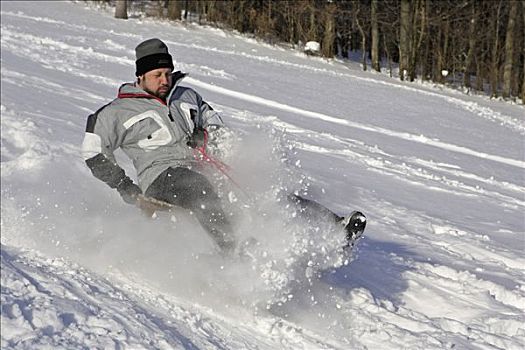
<point x="354" y="225"/>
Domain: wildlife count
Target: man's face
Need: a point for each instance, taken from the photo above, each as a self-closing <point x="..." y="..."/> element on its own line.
<point x="157" y="82"/>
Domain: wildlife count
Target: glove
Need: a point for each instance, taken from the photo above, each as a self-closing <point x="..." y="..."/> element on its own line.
<point x="150" y="205"/>
<point x="129" y="191"/>
<point x="198" y="138"/>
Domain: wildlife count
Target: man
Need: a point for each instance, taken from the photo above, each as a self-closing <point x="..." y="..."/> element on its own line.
<point x="162" y="139"/>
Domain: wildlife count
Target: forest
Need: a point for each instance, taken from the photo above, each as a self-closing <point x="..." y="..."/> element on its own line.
<point x="477" y="45"/>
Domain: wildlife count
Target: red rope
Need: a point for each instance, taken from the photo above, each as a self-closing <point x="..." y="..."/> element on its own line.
<point x="222" y="167"/>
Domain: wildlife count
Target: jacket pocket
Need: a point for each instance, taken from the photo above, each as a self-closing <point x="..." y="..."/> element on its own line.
<point x="148" y="130"/>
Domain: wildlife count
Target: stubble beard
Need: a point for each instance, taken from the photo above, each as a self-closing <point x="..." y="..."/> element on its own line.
<point x="158" y="94"/>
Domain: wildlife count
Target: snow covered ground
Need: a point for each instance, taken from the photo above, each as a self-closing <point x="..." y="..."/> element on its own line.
<point x="439" y="174"/>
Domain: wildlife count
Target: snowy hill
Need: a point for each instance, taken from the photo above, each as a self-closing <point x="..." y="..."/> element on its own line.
<point x="439" y="174"/>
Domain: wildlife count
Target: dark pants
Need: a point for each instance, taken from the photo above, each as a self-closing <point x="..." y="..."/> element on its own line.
<point x="312" y="211"/>
<point x="190" y="190"/>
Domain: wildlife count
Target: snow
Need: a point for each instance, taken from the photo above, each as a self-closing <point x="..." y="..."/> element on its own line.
<point x="439" y="174"/>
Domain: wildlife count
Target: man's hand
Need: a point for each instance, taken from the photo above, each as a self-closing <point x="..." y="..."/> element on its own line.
<point x="198" y="138"/>
<point x="150" y="205"/>
<point x="129" y="191"/>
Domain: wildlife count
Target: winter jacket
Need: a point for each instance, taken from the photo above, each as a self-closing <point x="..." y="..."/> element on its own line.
<point x="153" y="134"/>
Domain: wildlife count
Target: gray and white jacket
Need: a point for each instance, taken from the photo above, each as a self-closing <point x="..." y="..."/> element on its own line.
<point x="151" y="133"/>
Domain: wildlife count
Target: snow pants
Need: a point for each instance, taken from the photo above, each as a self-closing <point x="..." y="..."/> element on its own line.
<point x="190" y="190"/>
<point x="312" y="211"/>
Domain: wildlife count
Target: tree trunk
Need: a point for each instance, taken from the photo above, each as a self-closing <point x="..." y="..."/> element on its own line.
<point x="210" y="11"/>
<point x="404" y="38"/>
<point x="329" y="31"/>
<point x="443" y="52"/>
<point x="480" y="76"/>
<point x="269" y="10"/>
<point x="174" y="8"/>
<point x="471" y="46"/>
<point x="312" y="31"/>
<point x="415" y="46"/>
<point x="186" y="9"/>
<point x="494" y="69"/>
<point x="388" y="57"/>
<point x="363" y="39"/>
<point x="509" y="50"/>
<point x="121" y="9"/>
<point x="291" y="22"/>
<point x="375" y="37"/>
<point x="523" y="49"/>
<point x="426" y="68"/>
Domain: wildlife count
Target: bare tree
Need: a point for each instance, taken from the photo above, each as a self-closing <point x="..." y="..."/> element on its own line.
<point x="375" y="37"/>
<point x="523" y="51"/>
<point x="359" y="26"/>
<point x="404" y="38"/>
<point x="174" y="9"/>
<point x="418" y="33"/>
<point x="312" y="26"/>
<point x="442" y="49"/>
<point x="121" y="9"/>
<point x="509" y="49"/>
<point x="329" y="31"/>
<point x="471" y="44"/>
<point x="495" y="49"/>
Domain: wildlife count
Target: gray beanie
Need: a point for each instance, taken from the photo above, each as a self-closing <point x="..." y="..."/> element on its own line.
<point x="152" y="54"/>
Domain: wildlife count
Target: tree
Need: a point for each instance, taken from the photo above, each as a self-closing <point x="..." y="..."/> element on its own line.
<point x="312" y="25"/>
<point x="121" y="9"/>
<point x="174" y="8"/>
<point x="404" y="38"/>
<point x="418" y="36"/>
<point x="471" y="44"/>
<point x="329" y="31"/>
<point x="442" y="46"/>
<point x="375" y="37"/>
<point x="359" y="26"/>
<point x="495" y="50"/>
<point x="523" y="51"/>
<point x="509" y="49"/>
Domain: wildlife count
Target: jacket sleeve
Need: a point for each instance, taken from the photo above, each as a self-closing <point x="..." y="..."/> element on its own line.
<point x="196" y="112"/>
<point x="210" y="119"/>
<point x="101" y="139"/>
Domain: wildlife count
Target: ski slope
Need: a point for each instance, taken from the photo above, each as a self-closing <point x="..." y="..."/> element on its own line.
<point x="439" y="174"/>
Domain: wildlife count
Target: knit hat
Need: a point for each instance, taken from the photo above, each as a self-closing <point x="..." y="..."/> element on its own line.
<point x="152" y="54"/>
